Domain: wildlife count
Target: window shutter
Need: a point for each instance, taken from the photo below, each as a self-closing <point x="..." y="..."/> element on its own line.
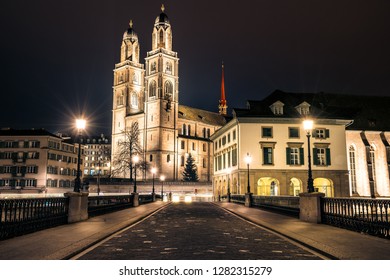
<point x="301" y="156"/>
<point x="326" y="133"/>
<point x="288" y="155"/>
<point x="328" y="156"/>
<point x="315" y="157"/>
<point x="314" y="133"/>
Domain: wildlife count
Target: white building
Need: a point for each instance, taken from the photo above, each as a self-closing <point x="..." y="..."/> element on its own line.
<point x="271" y="132"/>
<point x="149" y="95"/>
<point x="35" y="159"/>
<point x="97" y="155"/>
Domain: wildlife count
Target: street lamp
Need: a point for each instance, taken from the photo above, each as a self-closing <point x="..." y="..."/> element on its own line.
<point x="154" y="170"/>
<point x="135" y="161"/>
<point x="80" y="125"/>
<point x="308" y="126"/>
<point x="248" y="160"/>
<point x="162" y="179"/>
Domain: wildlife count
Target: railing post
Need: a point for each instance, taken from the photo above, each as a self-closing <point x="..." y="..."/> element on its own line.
<point x="78" y="206"/>
<point x="310" y="207"/>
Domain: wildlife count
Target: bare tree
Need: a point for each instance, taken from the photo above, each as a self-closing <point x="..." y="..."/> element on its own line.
<point x="127" y="148"/>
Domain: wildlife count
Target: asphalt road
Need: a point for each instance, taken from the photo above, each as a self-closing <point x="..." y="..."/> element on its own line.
<point x="193" y="231"/>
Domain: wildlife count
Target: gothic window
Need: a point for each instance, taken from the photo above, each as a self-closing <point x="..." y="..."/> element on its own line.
<point x="168" y="89"/>
<point x="152" y="89"/>
<point x="184" y="130"/>
<point x="352" y="168"/>
<point x="168" y="67"/>
<point x="135" y="78"/>
<point x="153" y="68"/>
<point x="161" y="38"/>
<point x="119" y="99"/>
<point x="134" y="100"/>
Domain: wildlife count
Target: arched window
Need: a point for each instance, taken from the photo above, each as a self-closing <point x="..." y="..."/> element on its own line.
<point x="168" y="68"/>
<point x="152" y="89"/>
<point x="184" y="130"/>
<point x="161" y="38"/>
<point x="352" y="168"/>
<point x="134" y="100"/>
<point x="168" y="88"/>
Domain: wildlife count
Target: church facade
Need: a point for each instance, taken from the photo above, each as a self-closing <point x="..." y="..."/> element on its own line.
<point x="148" y="94"/>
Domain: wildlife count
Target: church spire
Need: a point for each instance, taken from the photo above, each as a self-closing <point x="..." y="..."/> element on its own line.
<point x="222" y="102"/>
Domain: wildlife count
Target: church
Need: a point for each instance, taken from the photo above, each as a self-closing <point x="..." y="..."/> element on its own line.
<point x="148" y="95"/>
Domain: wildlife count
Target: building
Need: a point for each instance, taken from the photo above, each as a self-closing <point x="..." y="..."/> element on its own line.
<point x="148" y="94"/>
<point x="270" y="131"/>
<point x="97" y="159"/>
<point x="36" y="159"/>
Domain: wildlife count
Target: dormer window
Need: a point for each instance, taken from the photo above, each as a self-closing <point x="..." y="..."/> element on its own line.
<point x="277" y="108"/>
<point x="303" y="108"/>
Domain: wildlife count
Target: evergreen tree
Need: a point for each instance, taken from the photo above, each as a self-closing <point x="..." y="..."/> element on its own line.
<point x="190" y="173"/>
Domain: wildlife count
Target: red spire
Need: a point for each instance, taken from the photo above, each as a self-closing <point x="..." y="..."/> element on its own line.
<point x="222" y="102"/>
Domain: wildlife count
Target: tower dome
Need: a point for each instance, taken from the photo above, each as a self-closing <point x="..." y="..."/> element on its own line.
<point x="162" y="18"/>
<point x="130" y="33"/>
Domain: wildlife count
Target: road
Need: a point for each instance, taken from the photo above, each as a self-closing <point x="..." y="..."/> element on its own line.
<point x="193" y="231"/>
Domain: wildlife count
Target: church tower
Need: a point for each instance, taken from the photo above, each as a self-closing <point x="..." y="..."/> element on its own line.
<point x="222" y="102"/>
<point x="128" y="87"/>
<point x="161" y="99"/>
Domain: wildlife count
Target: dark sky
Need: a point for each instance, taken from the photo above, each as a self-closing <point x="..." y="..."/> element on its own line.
<point x="57" y="57"/>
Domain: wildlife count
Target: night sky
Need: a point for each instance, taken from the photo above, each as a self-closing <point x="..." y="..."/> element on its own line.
<point x="57" y="57"/>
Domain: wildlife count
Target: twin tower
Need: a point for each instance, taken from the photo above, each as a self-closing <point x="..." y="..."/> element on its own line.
<point x="148" y="96"/>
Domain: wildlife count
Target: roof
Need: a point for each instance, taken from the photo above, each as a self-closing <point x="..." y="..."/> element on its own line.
<point x="26" y="132"/>
<point x="367" y="112"/>
<point x="198" y="115"/>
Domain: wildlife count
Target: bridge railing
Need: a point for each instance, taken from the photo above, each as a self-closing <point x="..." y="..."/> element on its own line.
<point x="284" y="204"/>
<point x="371" y="216"/>
<point x="21" y="216"/>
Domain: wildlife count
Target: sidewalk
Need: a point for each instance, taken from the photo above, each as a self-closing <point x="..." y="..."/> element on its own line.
<point x="65" y="241"/>
<point x="336" y="243"/>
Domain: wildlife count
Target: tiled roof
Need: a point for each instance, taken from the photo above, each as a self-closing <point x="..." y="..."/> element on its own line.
<point x="198" y="115"/>
<point x="367" y="112"/>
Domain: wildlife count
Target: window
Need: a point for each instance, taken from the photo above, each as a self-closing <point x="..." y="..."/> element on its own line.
<point x="204" y="147"/>
<point x="151" y="158"/>
<point x="182" y="161"/>
<point x="321" y="156"/>
<point x="193" y="146"/>
<point x="168" y="158"/>
<point x="168" y="89"/>
<point x="321" y="133"/>
<point x="228" y="139"/>
<point x="293" y="132"/>
<point x="204" y="132"/>
<point x="182" y="144"/>
<point x="208" y="132"/>
<point x="189" y="130"/>
<point x="204" y="163"/>
<point x="267" y="155"/>
<point x="134" y="100"/>
<point x="352" y="168"/>
<point x="152" y="89"/>
<point x="224" y="140"/>
<point x="234" y="157"/>
<point x="373" y="169"/>
<point x="184" y="129"/>
<point x="234" y="134"/>
<point x="266" y="132"/>
<point x="294" y="156"/>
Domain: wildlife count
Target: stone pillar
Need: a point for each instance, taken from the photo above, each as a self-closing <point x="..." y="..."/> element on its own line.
<point x="310" y="207"/>
<point x="248" y="199"/>
<point x="78" y="206"/>
<point x="135" y="199"/>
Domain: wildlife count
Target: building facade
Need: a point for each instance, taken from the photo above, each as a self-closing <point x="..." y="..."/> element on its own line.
<point x="148" y="94"/>
<point x="36" y="159"/>
<point x="272" y="134"/>
<point x="97" y="159"/>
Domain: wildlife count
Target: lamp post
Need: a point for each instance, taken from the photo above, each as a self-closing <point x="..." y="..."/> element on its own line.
<point x="162" y="179"/>
<point x="248" y="160"/>
<point x="80" y="125"/>
<point x="135" y="161"/>
<point x="308" y="126"/>
<point x="154" y="170"/>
